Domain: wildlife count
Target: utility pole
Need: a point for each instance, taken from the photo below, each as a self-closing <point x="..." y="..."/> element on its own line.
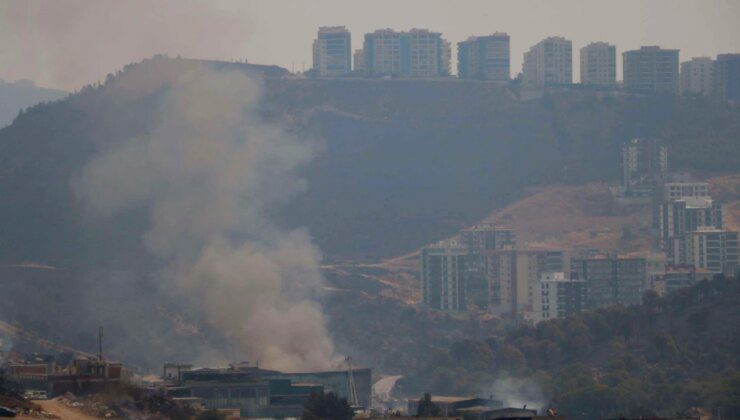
<point x="100" y="344"/>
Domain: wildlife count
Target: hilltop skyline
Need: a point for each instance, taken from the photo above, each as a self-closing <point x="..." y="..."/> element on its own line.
<point x="36" y="41"/>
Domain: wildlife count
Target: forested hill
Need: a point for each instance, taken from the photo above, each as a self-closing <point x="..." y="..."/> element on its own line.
<point x="22" y="94"/>
<point x="404" y="162"/>
<point x="662" y="358"/>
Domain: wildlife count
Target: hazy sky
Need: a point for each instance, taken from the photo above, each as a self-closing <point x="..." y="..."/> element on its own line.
<point x="69" y="43"/>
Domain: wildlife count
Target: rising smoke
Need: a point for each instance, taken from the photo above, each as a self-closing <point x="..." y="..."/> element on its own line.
<point x="210" y="174"/>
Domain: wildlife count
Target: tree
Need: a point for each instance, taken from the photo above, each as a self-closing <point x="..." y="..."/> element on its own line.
<point x="427" y="408"/>
<point x="322" y="405"/>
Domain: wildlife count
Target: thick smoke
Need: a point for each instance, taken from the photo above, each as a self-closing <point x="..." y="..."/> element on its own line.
<point x="210" y="174"/>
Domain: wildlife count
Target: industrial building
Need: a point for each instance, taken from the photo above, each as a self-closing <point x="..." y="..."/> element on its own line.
<point x="258" y="392"/>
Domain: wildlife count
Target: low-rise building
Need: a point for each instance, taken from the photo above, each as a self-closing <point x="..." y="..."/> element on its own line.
<point x="450" y="406"/>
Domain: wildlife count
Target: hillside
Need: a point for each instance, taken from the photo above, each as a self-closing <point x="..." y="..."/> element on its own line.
<point x="19" y="95"/>
<point x="404" y="162"/>
<point x="662" y="358"/>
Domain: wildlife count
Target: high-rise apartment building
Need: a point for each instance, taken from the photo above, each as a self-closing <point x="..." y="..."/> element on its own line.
<point x="513" y="274"/>
<point x="359" y="61"/>
<point x="686" y="214"/>
<point x="416" y="53"/>
<point x="644" y="161"/>
<point x="727" y="77"/>
<point x="612" y="281"/>
<point x="599" y="64"/>
<point x="651" y="69"/>
<point x="557" y="296"/>
<point x="549" y="62"/>
<point x="697" y="76"/>
<point x="484" y="58"/>
<point x="444" y="273"/>
<point x="714" y="250"/>
<point x="332" y="52"/>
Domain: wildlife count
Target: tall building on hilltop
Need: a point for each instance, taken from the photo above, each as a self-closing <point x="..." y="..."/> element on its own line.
<point x="549" y="62"/>
<point x="612" y="281"/>
<point x="484" y="58"/>
<point x="651" y="69"/>
<point x="444" y="273"/>
<point x="556" y="296"/>
<point x="359" y="61"/>
<point x="599" y="64"/>
<point x="416" y="53"/>
<point x="727" y="77"/>
<point x="714" y="250"/>
<point x="697" y="76"/>
<point x="332" y="52"/>
<point x="644" y="161"/>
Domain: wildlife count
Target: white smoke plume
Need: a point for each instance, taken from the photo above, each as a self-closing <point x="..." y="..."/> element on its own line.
<point x="518" y="392"/>
<point x="210" y="174"/>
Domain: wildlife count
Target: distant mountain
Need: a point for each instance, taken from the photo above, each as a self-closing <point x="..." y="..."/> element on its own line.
<point x="22" y="94"/>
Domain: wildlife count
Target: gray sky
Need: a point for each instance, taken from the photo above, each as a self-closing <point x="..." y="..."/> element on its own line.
<point x="69" y="43"/>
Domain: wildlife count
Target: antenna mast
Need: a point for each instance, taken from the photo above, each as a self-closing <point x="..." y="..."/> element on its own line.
<point x="100" y="344"/>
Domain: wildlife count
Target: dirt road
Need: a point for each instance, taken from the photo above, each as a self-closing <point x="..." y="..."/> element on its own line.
<point x="65" y="413"/>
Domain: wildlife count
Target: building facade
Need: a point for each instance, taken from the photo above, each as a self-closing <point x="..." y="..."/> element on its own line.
<point x="714" y="250"/>
<point x="416" y="53"/>
<point x="697" y="76"/>
<point x="549" y="62"/>
<point x="513" y="274"/>
<point x="651" y="69"/>
<point x="679" y="217"/>
<point x="332" y="52"/>
<point x="644" y="161"/>
<point x="557" y="296"/>
<point x="612" y="281"/>
<point x="359" y="61"/>
<point x="727" y="77"/>
<point x="444" y="273"/>
<point x="599" y="65"/>
<point x="484" y="58"/>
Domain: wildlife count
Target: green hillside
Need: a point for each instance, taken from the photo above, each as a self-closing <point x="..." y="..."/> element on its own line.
<point x="662" y="358"/>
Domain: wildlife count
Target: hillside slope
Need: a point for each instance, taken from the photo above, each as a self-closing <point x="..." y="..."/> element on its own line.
<point x="17" y="96"/>
<point x="404" y="162"/>
<point x="661" y="358"/>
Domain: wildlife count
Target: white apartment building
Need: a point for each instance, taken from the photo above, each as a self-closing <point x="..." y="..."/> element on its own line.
<point x="599" y="64"/>
<point x="556" y="296"/>
<point x="714" y="250"/>
<point x="416" y="53"/>
<point x="332" y="55"/>
<point x="549" y="62"/>
<point x="697" y="76"/>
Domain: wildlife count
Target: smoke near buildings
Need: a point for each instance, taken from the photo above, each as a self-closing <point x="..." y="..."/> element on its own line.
<point x="209" y="175"/>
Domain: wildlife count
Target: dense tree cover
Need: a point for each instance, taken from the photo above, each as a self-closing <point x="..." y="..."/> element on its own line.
<point x="326" y="406"/>
<point x="661" y="358"/>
